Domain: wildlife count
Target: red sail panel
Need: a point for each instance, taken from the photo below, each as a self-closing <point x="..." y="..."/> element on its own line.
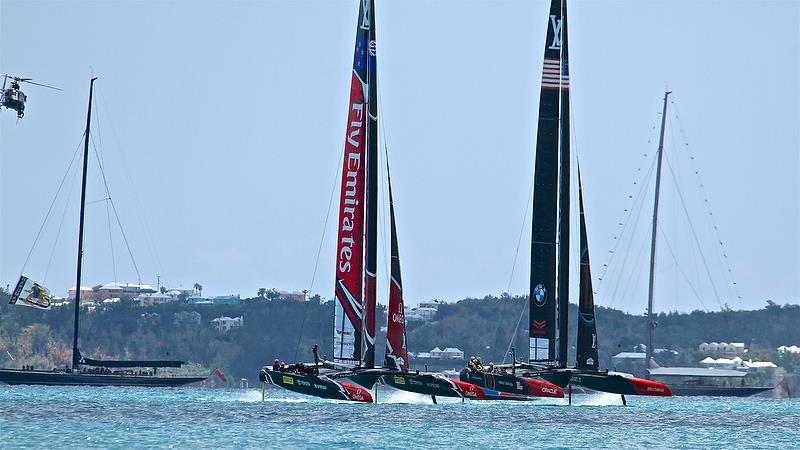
<point x="348" y="308"/>
<point x="586" y="354"/>
<point x="371" y="236"/>
<point x="396" y="346"/>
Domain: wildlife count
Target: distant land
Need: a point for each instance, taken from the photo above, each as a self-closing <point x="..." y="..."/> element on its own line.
<point x="287" y="329"/>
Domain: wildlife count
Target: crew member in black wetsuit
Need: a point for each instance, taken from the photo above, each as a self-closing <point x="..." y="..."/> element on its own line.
<point x="276" y="365"/>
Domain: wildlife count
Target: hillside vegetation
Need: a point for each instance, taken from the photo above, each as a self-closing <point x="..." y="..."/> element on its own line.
<point x="287" y="330"/>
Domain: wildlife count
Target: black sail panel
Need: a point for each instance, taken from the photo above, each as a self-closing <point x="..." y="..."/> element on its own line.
<point x="586" y="357"/>
<point x="545" y="199"/>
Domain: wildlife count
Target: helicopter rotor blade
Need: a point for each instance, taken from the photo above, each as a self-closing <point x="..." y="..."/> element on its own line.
<point x="27" y="80"/>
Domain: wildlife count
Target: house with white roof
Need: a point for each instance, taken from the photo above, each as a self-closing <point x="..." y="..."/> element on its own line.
<point x="226" y="323"/>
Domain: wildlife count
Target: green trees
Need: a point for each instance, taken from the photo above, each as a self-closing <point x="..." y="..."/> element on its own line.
<point x="288" y="329"/>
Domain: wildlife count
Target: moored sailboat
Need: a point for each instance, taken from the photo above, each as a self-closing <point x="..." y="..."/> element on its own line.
<point x="101" y="372"/>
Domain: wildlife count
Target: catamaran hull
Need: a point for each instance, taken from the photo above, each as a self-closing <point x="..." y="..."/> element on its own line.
<point x="35" y="377"/>
<point x="317" y="386"/>
<point x="617" y="384"/>
<point x="423" y="383"/>
<point x="512" y="384"/>
<point x="439" y="386"/>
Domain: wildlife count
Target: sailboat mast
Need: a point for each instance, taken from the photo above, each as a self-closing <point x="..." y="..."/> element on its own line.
<point x="651" y="324"/>
<point x="371" y="285"/>
<point x="75" y="353"/>
<point x="562" y="283"/>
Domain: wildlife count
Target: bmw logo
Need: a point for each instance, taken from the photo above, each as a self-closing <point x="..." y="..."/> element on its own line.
<point x="539" y="295"/>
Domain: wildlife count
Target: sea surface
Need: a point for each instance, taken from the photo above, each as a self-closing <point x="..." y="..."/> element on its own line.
<point x="115" y="417"/>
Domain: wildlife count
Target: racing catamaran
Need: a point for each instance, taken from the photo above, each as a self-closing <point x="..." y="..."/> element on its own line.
<point x="355" y="287"/>
<point x="550" y="245"/>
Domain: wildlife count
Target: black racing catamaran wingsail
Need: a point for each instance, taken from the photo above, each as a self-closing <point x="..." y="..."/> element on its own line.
<point x="33" y="294"/>
<point x="550" y="247"/>
<point x="549" y="282"/>
<point x="586" y="372"/>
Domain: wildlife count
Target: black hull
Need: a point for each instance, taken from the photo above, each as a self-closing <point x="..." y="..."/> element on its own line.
<point x="35" y="377"/>
<point x="525" y="383"/>
<point x="423" y="383"/>
<point x="315" y="385"/>
<point x="499" y="382"/>
<point x="613" y="384"/>
<point x="708" y="391"/>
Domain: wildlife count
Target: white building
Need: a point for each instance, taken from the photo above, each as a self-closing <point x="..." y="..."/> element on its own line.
<point x="722" y="348"/>
<point x="425" y="313"/>
<point x="791" y="349"/>
<point x="226" y="323"/>
<point x="447" y="353"/>
<point x="155" y="299"/>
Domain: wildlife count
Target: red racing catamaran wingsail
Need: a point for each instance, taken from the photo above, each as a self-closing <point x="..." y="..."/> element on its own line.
<point x="356" y="248"/>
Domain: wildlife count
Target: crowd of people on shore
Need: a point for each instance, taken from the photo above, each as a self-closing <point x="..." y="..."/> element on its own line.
<point x="475" y="365"/>
<point x="299" y="368"/>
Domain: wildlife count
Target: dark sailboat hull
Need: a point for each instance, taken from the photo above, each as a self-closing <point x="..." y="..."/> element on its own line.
<point x="316" y="385"/>
<point x="438" y="385"/>
<point x="618" y="384"/>
<point x="709" y="391"/>
<point x="422" y="383"/>
<point x="514" y="384"/>
<point x="36" y="377"/>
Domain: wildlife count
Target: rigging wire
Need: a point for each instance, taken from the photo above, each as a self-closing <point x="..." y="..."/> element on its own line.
<point x="706" y="202"/>
<point x="50" y="208"/>
<point x="694" y="235"/>
<point x="60" y="227"/>
<point x="321" y="243"/>
<point x="680" y="269"/>
<point x="114" y="208"/>
<point x="108" y="211"/>
<point x="141" y="217"/>
<point x="327" y="217"/>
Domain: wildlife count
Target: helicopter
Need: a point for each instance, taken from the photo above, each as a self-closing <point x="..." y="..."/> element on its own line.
<point x="13" y="97"/>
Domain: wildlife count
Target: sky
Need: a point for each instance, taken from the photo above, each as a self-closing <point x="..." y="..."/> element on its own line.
<point x="220" y="128"/>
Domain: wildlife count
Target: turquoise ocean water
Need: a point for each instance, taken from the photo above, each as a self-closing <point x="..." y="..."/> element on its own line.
<point x="48" y="417"/>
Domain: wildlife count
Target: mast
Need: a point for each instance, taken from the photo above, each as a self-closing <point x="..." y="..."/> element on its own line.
<point x="651" y="324"/>
<point x="396" y="344"/>
<point x="562" y="284"/>
<point x="549" y="140"/>
<point x="586" y="349"/>
<point x="349" y="287"/>
<point x="370" y="294"/>
<point x="76" y="354"/>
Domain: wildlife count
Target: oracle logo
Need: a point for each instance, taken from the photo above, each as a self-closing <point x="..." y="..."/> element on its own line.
<point x="398" y="318"/>
<point x="550" y="391"/>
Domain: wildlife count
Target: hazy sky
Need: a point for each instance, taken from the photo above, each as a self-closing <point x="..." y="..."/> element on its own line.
<point x="221" y="127"/>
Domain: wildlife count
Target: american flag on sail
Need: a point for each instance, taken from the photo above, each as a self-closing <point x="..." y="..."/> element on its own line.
<point x="555" y="75"/>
